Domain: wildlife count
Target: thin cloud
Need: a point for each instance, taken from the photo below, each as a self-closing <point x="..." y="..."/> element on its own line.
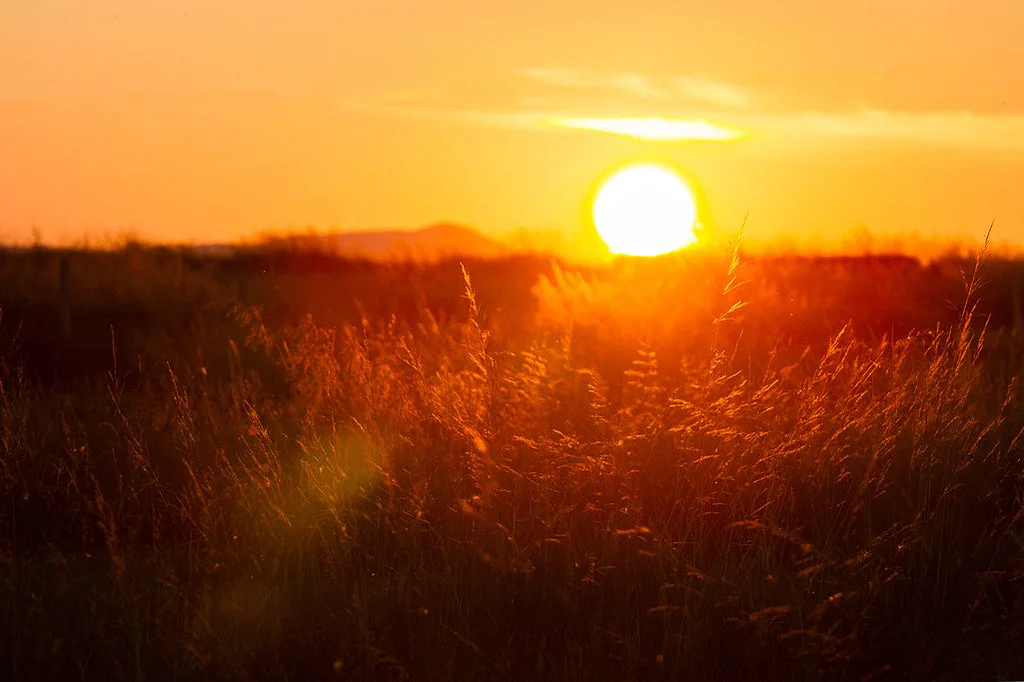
<point x="633" y="84"/>
<point x="694" y="88"/>
<point x="943" y="128"/>
<point x="962" y="129"/>
<point x="711" y="91"/>
<point x="654" y="128"/>
<point x="623" y="82"/>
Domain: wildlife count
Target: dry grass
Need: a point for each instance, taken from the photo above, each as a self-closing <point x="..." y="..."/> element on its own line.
<point x="628" y="475"/>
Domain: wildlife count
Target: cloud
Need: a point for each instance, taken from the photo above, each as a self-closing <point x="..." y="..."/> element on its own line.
<point x="667" y="120"/>
<point x="654" y="128"/>
<point x="651" y="128"/>
<point x="633" y="84"/>
<point x="711" y="91"/>
<point x="938" y="128"/>
<point x="623" y="82"/>
<point x="693" y="88"/>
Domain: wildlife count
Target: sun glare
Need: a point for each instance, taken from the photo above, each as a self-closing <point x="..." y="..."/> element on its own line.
<point x="645" y="210"/>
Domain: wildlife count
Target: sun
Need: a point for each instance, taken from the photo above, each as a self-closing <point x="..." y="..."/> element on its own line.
<point x="645" y="210"/>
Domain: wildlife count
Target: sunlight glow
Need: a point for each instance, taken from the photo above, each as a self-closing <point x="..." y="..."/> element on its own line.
<point x="654" y="128"/>
<point x="645" y="210"/>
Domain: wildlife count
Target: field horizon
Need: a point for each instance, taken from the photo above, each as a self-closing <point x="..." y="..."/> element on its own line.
<point x="451" y="239"/>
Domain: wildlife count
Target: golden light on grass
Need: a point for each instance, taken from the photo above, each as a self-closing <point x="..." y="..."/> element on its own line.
<point x="654" y="128"/>
<point x="645" y="210"/>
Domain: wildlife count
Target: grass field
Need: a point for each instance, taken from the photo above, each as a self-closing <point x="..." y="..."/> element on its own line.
<point x="285" y="466"/>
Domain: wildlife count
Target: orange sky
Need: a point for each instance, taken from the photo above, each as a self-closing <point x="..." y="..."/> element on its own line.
<point x="215" y="119"/>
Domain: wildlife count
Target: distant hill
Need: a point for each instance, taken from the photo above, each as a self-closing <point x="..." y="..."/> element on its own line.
<point x="431" y="243"/>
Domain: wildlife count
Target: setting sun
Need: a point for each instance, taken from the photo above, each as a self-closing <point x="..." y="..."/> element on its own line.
<point x="645" y="210"/>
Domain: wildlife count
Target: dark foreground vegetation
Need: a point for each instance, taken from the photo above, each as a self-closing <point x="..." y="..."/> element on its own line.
<point x="290" y="467"/>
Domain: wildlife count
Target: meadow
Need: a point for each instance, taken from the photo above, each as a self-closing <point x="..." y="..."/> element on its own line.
<point x="284" y="465"/>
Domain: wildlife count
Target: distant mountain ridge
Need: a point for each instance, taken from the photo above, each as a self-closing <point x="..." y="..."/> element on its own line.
<point x="431" y="243"/>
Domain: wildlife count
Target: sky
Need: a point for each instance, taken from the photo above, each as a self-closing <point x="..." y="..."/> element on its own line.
<point x="215" y="120"/>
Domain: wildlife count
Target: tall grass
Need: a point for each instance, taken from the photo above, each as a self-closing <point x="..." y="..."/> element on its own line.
<point x="640" y="479"/>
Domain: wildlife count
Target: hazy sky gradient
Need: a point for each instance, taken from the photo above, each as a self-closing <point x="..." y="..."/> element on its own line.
<point x="210" y="120"/>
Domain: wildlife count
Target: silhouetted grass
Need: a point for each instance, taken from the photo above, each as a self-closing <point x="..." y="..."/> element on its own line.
<point x="685" y="467"/>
